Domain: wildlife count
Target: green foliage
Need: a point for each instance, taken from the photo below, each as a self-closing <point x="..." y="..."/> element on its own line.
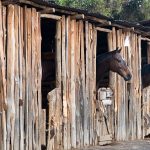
<point x="131" y="10"/>
<point x="145" y="9"/>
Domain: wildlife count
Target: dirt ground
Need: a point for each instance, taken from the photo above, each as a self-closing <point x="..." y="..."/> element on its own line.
<point x="130" y="145"/>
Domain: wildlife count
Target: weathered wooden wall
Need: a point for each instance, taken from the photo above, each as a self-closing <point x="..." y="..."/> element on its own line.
<point x="76" y="68"/>
<point x="74" y="117"/>
<point x="21" y="78"/>
<point x="127" y="95"/>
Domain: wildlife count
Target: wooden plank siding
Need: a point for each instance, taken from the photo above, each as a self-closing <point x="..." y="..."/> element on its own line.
<point x="75" y="114"/>
<point x="21" y="109"/>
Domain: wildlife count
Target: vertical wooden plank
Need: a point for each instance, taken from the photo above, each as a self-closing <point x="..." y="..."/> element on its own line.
<point x="126" y="92"/>
<point x="52" y="103"/>
<point x="29" y="80"/>
<point x="73" y="106"/>
<point x="77" y="85"/>
<point x="34" y="48"/>
<point x="68" y="79"/>
<point x="90" y="42"/>
<point x="26" y="82"/>
<point x="64" y="82"/>
<point x="10" y="77"/>
<point x="3" y="75"/>
<point x="123" y="104"/>
<point x="139" y="112"/>
<point x="86" y="100"/>
<point x="91" y="80"/>
<point x="82" y="95"/>
<point x="33" y="72"/>
<point x="39" y="78"/>
<point x="43" y="128"/>
<point x="118" y="94"/>
<point x="134" y="85"/>
<point x="94" y="83"/>
<point x="59" y="76"/>
<point x="2" y="78"/>
<point x="16" y="77"/>
<point x="54" y="98"/>
<point x="113" y="82"/>
<point x="21" y="79"/>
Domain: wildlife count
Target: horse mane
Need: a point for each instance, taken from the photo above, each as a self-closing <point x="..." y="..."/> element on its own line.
<point x="146" y="69"/>
<point x="103" y="56"/>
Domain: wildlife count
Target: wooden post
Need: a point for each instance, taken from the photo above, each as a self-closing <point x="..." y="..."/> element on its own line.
<point x="86" y="100"/>
<point x="10" y="77"/>
<point x="82" y="95"/>
<point x="94" y="83"/>
<point x="29" y="80"/>
<point x="16" y="84"/>
<point x="59" y="76"/>
<point x="113" y="82"/>
<point x="39" y="78"/>
<point x="65" y="136"/>
<point x="68" y="81"/>
<point x="2" y="78"/>
<point x="139" y="90"/>
<point x="73" y="77"/>
<point x="21" y="79"/>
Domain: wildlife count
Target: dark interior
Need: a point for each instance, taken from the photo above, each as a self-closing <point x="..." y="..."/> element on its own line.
<point x="102" y="47"/>
<point x="144" y="53"/>
<point x="48" y="31"/>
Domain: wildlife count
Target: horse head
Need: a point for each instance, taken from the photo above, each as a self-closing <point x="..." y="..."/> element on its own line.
<point x="119" y="65"/>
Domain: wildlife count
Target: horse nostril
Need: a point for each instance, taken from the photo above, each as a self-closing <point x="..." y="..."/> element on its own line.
<point x="129" y="76"/>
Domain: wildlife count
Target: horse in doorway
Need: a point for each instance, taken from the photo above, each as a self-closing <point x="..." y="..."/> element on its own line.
<point x="145" y="75"/>
<point x="111" y="61"/>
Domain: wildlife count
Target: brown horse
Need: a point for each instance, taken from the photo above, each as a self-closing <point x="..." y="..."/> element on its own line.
<point x="145" y="75"/>
<point x="112" y="61"/>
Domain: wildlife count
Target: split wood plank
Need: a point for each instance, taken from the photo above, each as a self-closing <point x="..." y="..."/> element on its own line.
<point x="21" y="79"/>
<point x="16" y="77"/>
<point x="73" y="77"/>
<point x="10" y="77"/>
<point x="86" y="100"/>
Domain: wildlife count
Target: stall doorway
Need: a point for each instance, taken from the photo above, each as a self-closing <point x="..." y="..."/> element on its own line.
<point x="144" y="53"/>
<point x="48" y="52"/>
<point x="102" y="47"/>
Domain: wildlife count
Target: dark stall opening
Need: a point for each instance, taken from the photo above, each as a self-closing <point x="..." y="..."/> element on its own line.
<point x="48" y="60"/>
<point x="48" y="31"/>
<point x="102" y="47"/>
<point x="144" y="53"/>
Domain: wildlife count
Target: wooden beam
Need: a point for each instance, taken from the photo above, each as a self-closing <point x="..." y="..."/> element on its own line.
<point x="48" y="10"/>
<point x="50" y="16"/>
<point x="78" y="16"/>
<point x="145" y="39"/>
<point x="103" y="21"/>
<point x="103" y="29"/>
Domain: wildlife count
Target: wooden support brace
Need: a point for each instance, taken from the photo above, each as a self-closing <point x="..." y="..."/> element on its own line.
<point x="103" y="29"/>
<point x="90" y="18"/>
<point x="48" y="10"/>
<point x="145" y="39"/>
<point x="78" y="16"/>
<point x="50" y="16"/>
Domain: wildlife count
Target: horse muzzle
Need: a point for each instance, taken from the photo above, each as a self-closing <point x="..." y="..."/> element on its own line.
<point x="128" y="77"/>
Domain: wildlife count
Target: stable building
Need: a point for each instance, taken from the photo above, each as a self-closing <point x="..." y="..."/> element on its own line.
<point x="48" y="95"/>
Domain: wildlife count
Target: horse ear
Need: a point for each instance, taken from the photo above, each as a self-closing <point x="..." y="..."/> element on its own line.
<point x="119" y="49"/>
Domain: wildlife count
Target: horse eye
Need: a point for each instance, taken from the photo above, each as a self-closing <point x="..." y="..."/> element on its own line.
<point x="119" y="60"/>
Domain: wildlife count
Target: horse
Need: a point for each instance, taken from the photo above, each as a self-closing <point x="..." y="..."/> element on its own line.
<point x="145" y="73"/>
<point x="111" y="61"/>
